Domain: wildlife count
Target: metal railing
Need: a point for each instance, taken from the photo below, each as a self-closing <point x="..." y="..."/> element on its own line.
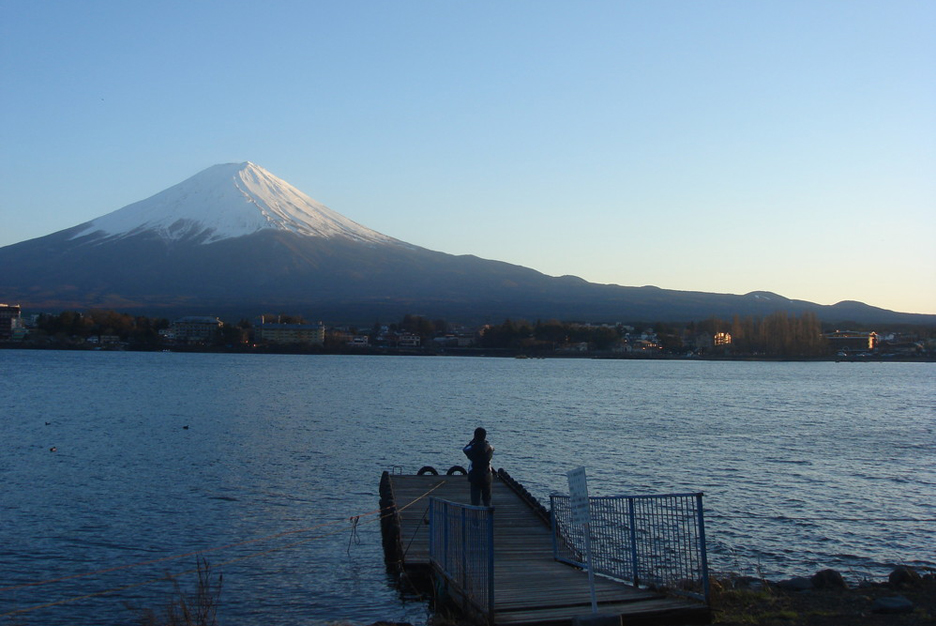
<point x="656" y="540"/>
<point x="461" y="548"/>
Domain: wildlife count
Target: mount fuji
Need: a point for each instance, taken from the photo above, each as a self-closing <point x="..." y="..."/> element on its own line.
<point x="236" y="241"/>
<point x="225" y="202"/>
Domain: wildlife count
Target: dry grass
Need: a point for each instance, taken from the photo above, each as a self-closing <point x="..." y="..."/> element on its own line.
<point x="183" y="609"/>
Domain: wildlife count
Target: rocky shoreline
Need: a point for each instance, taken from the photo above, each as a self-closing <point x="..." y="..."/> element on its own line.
<point x="827" y="598"/>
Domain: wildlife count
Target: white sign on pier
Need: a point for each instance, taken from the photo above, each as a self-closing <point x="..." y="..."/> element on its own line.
<point x="578" y="497"/>
<point x="578" y="492"/>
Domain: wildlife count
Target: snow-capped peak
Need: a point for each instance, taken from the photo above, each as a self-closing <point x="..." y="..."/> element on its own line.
<point x="225" y="201"/>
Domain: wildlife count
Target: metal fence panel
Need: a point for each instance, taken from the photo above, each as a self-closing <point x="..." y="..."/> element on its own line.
<point x="461" y="547"/>
<point x="654" y="540"/>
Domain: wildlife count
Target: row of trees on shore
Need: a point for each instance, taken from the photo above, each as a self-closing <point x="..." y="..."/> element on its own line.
<point x="777" y="335"/>
<point x="68" y="325"/>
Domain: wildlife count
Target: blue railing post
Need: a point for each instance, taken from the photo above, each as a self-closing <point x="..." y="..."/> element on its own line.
<point x="490" y="565"/>
<point x="432" y="535"/>
<point x="464" y="545"/>
<point x="445" y="530"/>
<point x="552" y="524"/>
<point x="632" y="513"/>
<point x="702" y="548"/>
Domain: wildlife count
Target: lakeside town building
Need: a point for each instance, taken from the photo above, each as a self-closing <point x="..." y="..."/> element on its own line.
<point x="852" y="340"/>
<point x="11" y="322"/>
<point x="194" y="329"/>
<point x="285" y="334"/>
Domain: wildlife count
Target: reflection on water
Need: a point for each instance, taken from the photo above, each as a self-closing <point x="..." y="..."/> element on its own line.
<point x="263" y="460"/>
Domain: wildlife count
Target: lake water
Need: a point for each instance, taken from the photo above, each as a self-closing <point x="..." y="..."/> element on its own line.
<point x="803" y="465"/>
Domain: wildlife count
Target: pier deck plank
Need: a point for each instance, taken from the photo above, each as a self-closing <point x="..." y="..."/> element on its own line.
<point x="530" y="587"/>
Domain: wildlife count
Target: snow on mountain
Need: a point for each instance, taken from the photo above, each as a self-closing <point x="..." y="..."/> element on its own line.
<point x="226" y="201"/>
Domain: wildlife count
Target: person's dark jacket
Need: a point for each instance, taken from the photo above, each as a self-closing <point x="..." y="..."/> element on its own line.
<point x="480" y="454"/>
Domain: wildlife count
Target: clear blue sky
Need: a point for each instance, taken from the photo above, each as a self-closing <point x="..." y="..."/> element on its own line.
<point x="712" y="146"/>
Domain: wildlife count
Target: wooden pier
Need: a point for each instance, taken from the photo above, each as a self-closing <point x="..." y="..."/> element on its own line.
<point x="530" y="587"/>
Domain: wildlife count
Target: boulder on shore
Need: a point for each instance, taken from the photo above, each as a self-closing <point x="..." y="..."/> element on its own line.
<point x="828" y="579"/>
<point x="903" y="576"/>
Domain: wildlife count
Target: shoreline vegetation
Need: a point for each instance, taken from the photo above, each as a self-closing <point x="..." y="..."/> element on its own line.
<point x="476" y="352"/>
<point x="469" y="352"/>
<point x="778" y="336"/>
<point x="906" y="598"/>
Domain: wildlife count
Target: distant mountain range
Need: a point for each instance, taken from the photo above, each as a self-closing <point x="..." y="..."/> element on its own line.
<point x="236" y="241"/>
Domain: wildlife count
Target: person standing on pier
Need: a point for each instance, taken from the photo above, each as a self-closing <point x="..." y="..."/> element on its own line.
<point x="480" y="474"/>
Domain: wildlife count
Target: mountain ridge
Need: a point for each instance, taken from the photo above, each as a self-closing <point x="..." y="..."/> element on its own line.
<point x="236" y="241"/>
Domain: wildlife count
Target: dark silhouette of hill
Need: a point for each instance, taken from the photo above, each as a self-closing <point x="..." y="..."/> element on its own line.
<point x="173" y="254"/>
